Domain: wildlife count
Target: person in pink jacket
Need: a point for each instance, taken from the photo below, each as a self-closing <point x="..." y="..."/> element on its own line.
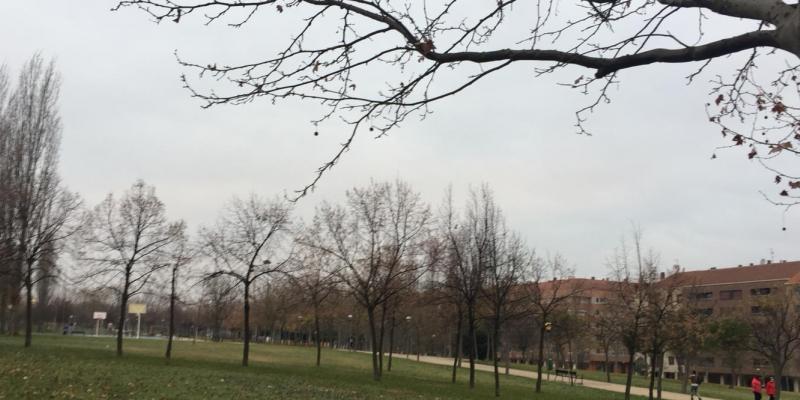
<point x="771" y="388"/>
<point x="755" y="384"/>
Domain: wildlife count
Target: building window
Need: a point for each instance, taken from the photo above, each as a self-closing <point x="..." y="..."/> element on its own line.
<point x="671" y="360"/>
<point x="756" y="310"/>
<point x="600" y="300"/>
<point x="704" y="311"/>
<point x="760" y="291"/>
<point x="704" y="296"/>
<point x="730" y="294"/>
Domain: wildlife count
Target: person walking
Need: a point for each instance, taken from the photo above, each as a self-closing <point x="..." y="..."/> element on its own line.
<point x="755" y="384"/>
<point x="771" y="388"/>
<point x="694" y="380"/>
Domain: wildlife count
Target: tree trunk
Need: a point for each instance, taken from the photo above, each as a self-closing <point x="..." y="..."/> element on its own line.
<point x="457" y="350"/>
<point x="246" y="347"/>
<point x="653" y="366"/>
<point x="540" y="358"/>
<point x="123" y="305"/>
<point x="380" y="338"/>
<point x="373" y="334"/>
<point x="495" y="337"/>
<point x="778" y="380"/>
<point x="316" y="333"/>
<point x="660" y="373"/>
<point x="608" y="369"/>
<point x="172" y="298"/>
<point x="473" y="346"/>
<point x="629" y="377"/>
<point x="28" y="304"/>
<point x="391" y="341"/>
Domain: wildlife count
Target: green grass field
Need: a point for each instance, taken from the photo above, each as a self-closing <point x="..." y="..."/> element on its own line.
<point x="59" y="367"/>
<point x="706" y="389"/>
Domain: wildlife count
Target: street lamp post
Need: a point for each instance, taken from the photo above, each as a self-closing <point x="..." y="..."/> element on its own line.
<point x="350" y="339"/>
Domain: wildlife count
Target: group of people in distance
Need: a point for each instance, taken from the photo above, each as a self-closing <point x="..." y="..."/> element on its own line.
<point x="755" y="384"/>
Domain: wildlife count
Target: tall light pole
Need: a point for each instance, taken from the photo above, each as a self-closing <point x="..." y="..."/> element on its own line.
<point x="350" y="339"/>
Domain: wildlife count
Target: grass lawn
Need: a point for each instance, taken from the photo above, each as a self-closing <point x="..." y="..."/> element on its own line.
<point x="706" y="389"/>
<point x="58" y="367"/>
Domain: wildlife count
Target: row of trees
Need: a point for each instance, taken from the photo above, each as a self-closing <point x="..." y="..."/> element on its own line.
<point x="382" y="261"/>
<point x="383" y="247"/>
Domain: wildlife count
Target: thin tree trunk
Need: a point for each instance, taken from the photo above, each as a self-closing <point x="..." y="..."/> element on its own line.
<point x="246" y="347"/>
<point x="316" y="334"/>
<point x="540" y="359"/>
<point x="571" y="363"/>
<point x="380" y="338"/>
<point x="123" y="304"/>
<point x="660" y="373"/>
<point x="653" y="366"/>
<point x="28" y="306"/>
<point x="608" y="370"/>
<point x="172" y="297"/>
<point x="457" y="350"/>
<point x="391" y="341"/>
<point x="473" y="345"/>
<point x="629" y="377"/>
<point x="685" y="377"/>
<point x="495" y="336"/>
<point x="373" y="334"/>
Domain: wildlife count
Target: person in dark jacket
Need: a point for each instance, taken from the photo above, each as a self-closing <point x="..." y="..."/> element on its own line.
<point x="771" y="388"/>
<point x="755" y="384"/>
<point x="694" y="381"/>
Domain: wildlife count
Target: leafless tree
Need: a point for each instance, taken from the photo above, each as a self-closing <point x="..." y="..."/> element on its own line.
<point x="249" y="243"/>
<point x="509" y="263"/>
<point x="179" y="255"/>
<point x="217" y="301"/>
<point x="377" y="238"/>
<point x="468" y="240"/>
<point x="37" y="210"/>
<point x="549" y="291"/>
<point x="316" y="279"/>
<point x="662" y="311"/>
<point x="604" y="332"/>
<point x="419" y="45"/>
<point x="9" y="280"/>
<point x="123" y="245"/>
<point x="635" y="274"/>
<point x="691" y="336"/>
<point x="775" y="328"/>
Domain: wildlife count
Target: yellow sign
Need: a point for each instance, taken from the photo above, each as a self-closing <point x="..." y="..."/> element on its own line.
<point x="137" y="308"/>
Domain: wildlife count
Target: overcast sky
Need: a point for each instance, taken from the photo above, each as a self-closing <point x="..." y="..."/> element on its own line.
<point x="126" y="117"/>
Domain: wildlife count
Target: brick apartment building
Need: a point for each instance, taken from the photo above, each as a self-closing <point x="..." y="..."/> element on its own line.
<point x="721" y="292"/>
<point x="716" y="292"/>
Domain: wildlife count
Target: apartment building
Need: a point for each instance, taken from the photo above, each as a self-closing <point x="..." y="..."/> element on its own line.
<point x="736" y="291"/>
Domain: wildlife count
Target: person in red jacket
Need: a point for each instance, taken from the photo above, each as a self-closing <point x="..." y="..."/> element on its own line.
<point x="756" y="385"/>
<point x="771" y="388"/>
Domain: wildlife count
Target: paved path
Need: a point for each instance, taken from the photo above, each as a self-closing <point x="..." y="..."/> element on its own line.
<point x="612" y="387"/>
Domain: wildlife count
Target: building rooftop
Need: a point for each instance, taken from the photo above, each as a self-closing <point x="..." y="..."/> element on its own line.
<point x="789" y="271"/>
